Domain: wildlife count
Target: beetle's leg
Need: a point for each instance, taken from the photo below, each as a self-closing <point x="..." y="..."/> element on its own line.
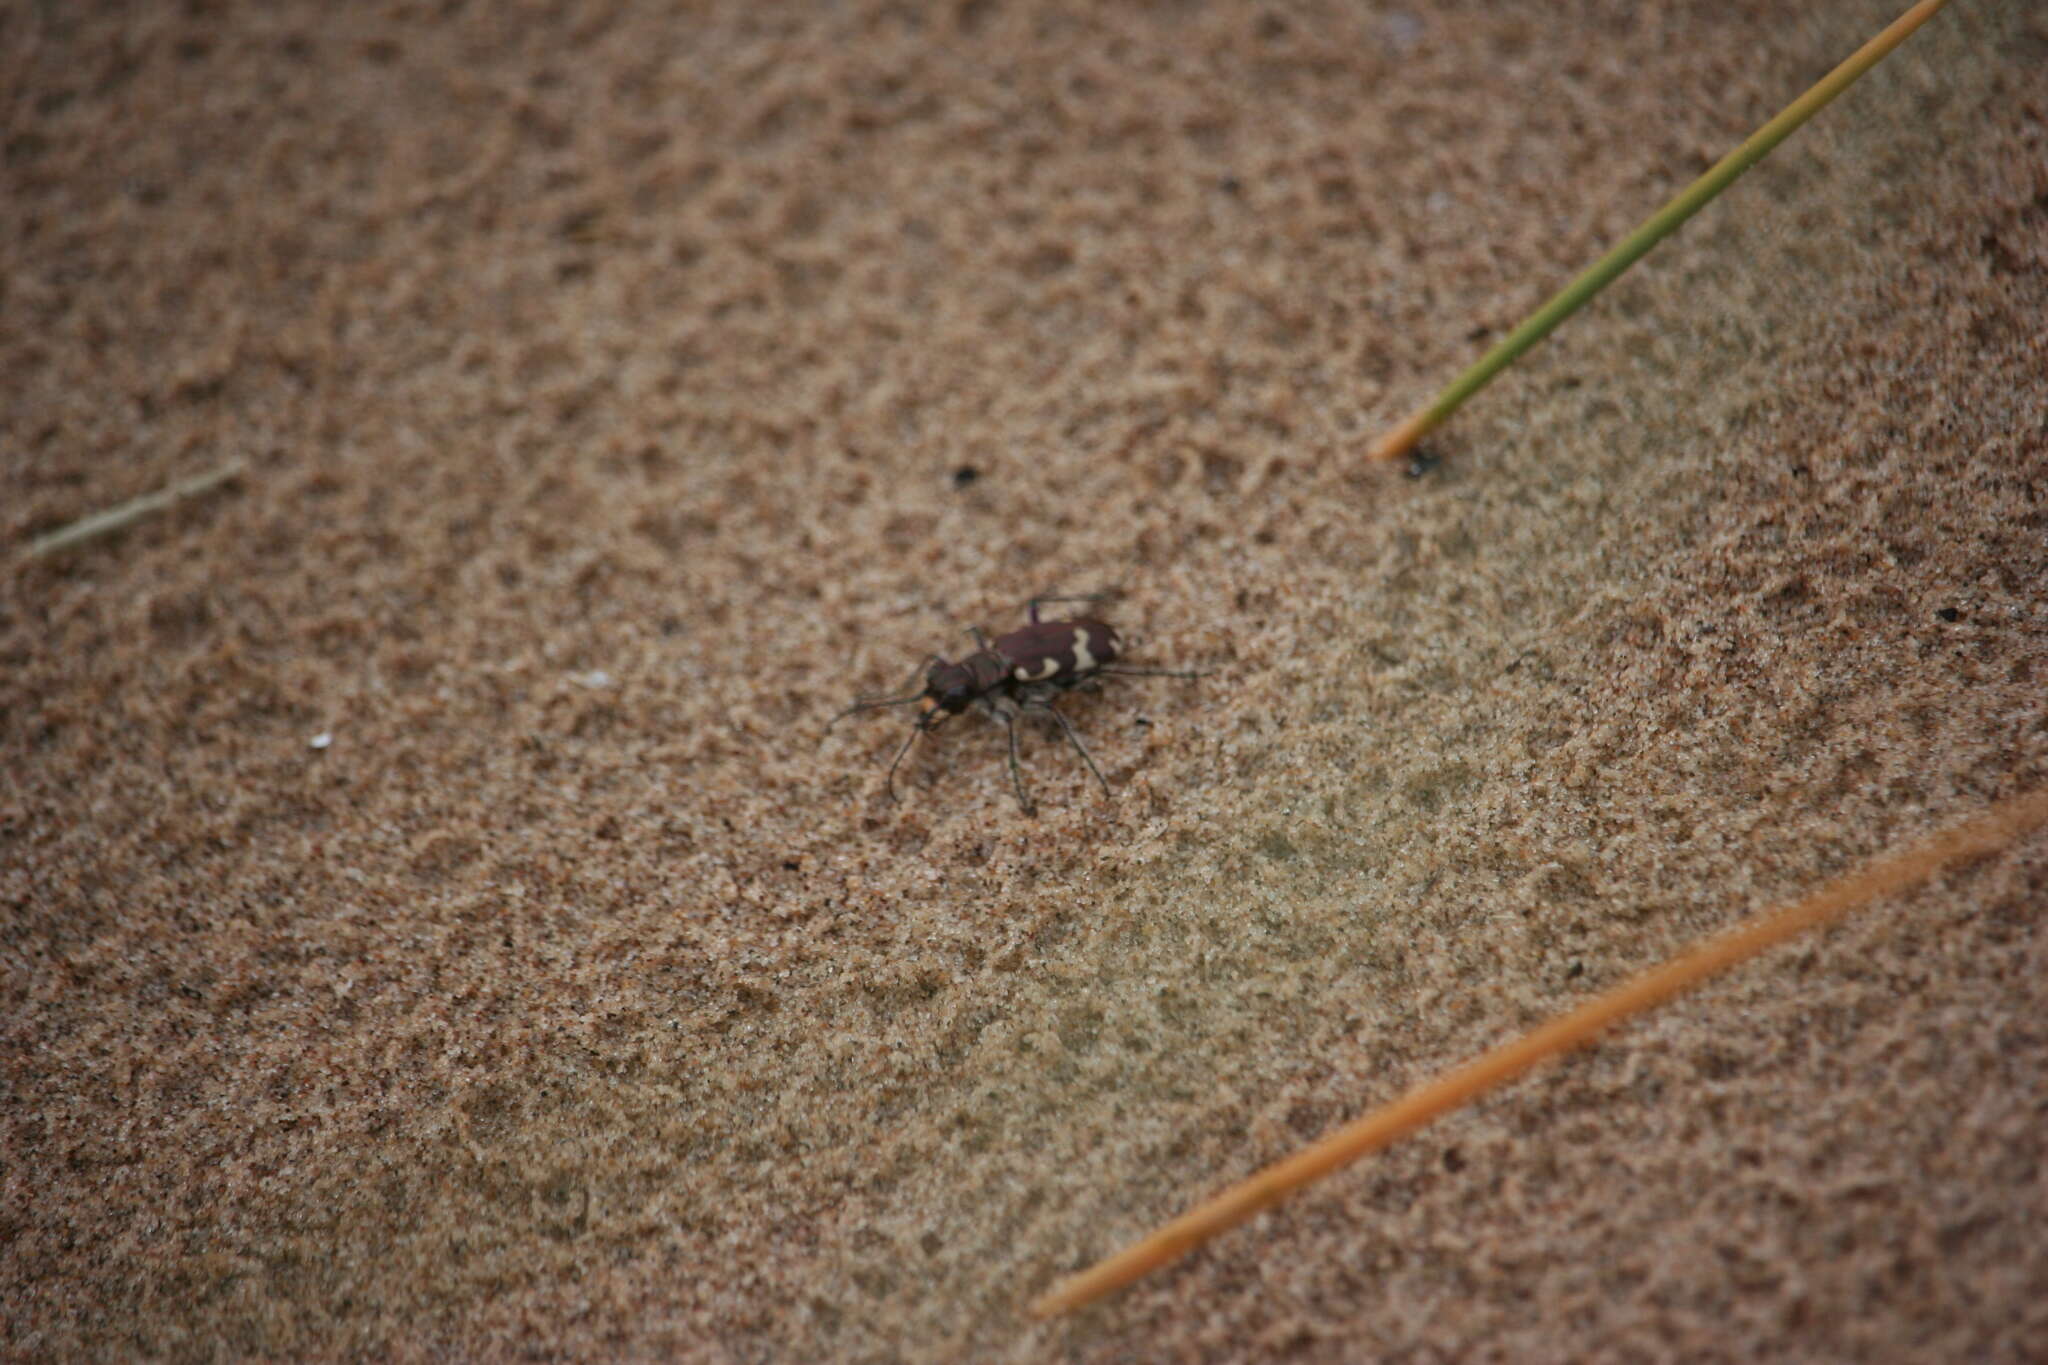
<point x="980" y="640"/>
<point x="889" y="783"/>
<point x="1075" y="740"/>
<point x="1009" y="716"/>
<point x="917" y="678"/>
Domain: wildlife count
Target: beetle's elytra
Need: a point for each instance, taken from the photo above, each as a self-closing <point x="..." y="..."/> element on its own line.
<point x="1025" y="670"/>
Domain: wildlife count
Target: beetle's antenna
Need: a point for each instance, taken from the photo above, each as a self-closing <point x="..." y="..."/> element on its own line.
<point x="1079" y="747"/>
<point x="875" y="704"/>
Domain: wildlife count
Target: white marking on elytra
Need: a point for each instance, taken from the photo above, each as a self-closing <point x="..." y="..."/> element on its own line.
<point x="1023" y="674"/>
<point x="1083" y="660"/>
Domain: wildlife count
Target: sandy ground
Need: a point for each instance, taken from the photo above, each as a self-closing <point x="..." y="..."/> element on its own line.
<point x="624" y="387"/>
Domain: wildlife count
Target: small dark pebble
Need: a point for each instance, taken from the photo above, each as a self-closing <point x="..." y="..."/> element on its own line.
<point x="1421" y="463"/>
<point x="965" y="475"/>
<point x="1949" y="614"/>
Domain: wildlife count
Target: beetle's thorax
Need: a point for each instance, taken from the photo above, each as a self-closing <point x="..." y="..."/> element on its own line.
<point x="952" y="687"/>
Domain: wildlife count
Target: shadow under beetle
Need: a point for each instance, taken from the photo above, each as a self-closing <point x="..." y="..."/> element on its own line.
<point x="1025" y="670"/>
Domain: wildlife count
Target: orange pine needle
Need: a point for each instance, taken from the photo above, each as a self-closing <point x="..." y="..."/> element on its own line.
<point x="1991" y="831"/>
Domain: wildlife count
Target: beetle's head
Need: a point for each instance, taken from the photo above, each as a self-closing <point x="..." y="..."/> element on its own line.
<point x="949" y="689"/>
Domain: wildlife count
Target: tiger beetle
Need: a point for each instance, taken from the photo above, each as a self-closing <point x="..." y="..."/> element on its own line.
<point x="1022" y="671"/>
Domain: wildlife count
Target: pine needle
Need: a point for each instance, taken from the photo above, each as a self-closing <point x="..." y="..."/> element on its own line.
<point x="1995" y="829"/>
<point x="1602" y="272"/>
<point x="133" y="510"/>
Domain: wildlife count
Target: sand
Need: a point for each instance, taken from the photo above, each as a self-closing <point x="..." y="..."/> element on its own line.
<point x="434" y="922"/>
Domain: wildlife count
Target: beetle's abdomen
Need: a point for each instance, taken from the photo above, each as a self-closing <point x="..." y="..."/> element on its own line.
<point x="1058" y="651"/>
